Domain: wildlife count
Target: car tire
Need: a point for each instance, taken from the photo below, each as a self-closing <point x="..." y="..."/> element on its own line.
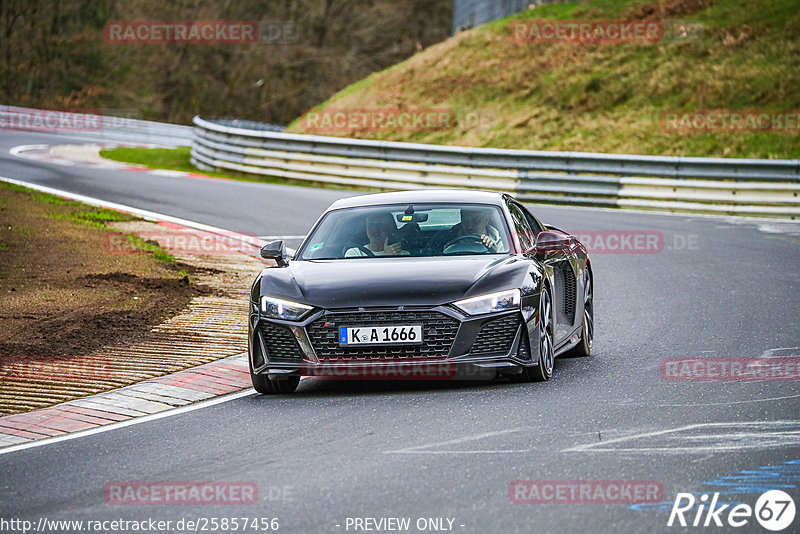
<point x="259" y="383"/>
<point x="543" y="371"/>
<point x="263" y="385"/>
<point x="584" y="346"/>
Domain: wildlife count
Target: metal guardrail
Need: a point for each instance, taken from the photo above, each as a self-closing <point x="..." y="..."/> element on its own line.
<point x="100" y="127"/>
<point x="708" y="185"/>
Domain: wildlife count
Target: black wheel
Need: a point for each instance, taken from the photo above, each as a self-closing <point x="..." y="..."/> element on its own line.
<point x="543" y="371"/>
<point x="265" y="386"/>
<point x="277" y="387"/>
<point x="259" y="383"/>
<point x="584" y="347"/>
<point x="262" y="384"/>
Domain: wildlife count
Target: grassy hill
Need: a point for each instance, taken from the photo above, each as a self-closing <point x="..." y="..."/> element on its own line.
<point x="600" y="97"/>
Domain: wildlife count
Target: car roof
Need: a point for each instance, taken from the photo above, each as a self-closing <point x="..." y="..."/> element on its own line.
<point x="469" y="196"/>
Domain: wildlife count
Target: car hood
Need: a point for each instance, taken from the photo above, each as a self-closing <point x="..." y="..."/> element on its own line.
<point x="366" y="282"/>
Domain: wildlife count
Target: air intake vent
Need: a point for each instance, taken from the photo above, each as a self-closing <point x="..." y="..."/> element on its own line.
<point x="497" y="336"/>
<point x="565" y="283"/>
<point x="280" y="343"/>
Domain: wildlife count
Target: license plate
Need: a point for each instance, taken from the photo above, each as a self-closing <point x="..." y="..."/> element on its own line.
<point x="381" y="335"/>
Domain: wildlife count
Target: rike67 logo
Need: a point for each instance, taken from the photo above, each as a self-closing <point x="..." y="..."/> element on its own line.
<point x="774" y="510"/>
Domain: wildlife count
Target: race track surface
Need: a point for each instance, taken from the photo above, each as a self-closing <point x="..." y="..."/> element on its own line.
<point x="718" y="287"/>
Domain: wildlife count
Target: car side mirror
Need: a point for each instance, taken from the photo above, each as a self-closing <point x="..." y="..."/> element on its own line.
<point x="276" y="251"/>
<point x="553" y="241"/>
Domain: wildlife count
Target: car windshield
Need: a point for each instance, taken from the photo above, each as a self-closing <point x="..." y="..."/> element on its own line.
<point x="408" y="230"/>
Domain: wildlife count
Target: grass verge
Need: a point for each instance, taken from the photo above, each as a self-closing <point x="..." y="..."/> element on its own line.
<point x="179" y="159"/>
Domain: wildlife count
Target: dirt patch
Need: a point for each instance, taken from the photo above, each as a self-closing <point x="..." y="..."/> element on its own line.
<point x="82" y="313"/>
<point x="670" y="8"/>
<point x="63" y="294"/>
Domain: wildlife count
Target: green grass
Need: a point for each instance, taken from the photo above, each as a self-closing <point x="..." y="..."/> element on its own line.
<point x="178" y="159"/>
<point x="97" y="217"/>
<point x="153" y="248"/>
<point x="174" y="159"/>
<point x="53" y="199"/>
<point x="91" y="216"/>
<point x="602" y="97"/>
<point x="36" y="195"/>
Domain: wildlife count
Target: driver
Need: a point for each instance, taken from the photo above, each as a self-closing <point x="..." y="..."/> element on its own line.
<point x="475" y="222"/>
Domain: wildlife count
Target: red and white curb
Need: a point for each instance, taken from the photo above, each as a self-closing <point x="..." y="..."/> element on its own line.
<point x="145" y="398"/>
<point x="46" y="154"/>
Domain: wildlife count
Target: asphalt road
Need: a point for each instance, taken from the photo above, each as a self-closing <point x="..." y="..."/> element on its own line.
<point x="718" y="288"/>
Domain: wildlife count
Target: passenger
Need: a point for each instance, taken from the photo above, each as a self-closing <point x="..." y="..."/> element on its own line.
<point x="379" y="229"/>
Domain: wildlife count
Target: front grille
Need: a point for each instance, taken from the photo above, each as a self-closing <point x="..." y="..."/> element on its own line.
<point x="439" y="331"/>
<point x="279" y="342"/>
<point x="496" y="336"/>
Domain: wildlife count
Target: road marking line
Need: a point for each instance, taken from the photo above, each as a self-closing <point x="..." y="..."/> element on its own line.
<point x="17" y="150"/>
<point x="129" y="422"/>
<point x="706" y="403"/>
<point x="761" y="438"/>
<point x="417" y="449"/>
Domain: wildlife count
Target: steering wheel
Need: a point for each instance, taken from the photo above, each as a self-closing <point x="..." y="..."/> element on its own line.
<point x="468" y="240"/>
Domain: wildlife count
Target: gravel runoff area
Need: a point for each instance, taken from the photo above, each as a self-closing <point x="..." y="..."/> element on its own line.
<point x="212" y="326"/>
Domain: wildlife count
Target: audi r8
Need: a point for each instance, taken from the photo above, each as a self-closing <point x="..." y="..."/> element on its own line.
<point x="421" y="280"/>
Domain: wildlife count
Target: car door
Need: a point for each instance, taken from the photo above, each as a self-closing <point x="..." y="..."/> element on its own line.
<point x="564" y="270"/>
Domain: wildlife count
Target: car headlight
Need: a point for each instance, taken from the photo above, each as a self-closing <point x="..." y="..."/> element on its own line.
<point x="493" y="302"/>
<point x="283" y="309"/>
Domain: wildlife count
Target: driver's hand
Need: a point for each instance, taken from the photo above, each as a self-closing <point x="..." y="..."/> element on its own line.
<point x="393" y="249"/>
<point x="488" y="241"/>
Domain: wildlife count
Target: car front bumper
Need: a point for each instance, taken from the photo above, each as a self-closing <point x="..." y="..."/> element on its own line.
<point x="456" y="346"/>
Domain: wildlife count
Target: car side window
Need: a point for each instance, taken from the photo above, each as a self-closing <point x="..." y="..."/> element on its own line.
<point x="523" y="228"/>
<point x="533" y="221"/>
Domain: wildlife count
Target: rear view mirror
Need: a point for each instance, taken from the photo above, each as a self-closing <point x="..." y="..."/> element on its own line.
<point x="276" y="251"/>
<point x="414" y="217"/>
